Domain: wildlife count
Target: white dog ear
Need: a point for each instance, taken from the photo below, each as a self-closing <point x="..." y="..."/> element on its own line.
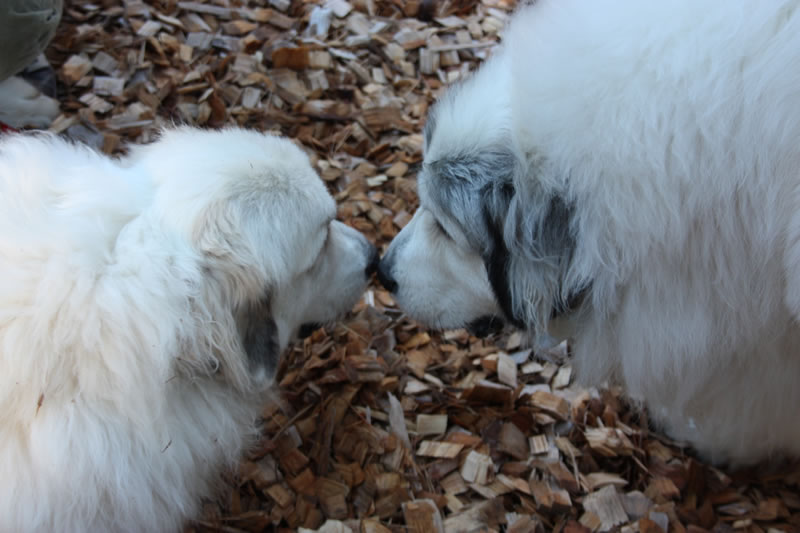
<point x="249" y="242"/>
<point x="215" y="345"/>
<point x="235" y="194"/>
<point x="241" y="276"/>
<point x="237" y="341"/>
<point x="229" y="251"/>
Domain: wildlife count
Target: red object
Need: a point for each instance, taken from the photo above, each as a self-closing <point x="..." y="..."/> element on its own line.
<point x="4" y="128"/>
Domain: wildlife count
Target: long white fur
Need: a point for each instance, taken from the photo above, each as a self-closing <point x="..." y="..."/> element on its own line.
<point x="673" y="128"/>
<point x="124" y="387"/>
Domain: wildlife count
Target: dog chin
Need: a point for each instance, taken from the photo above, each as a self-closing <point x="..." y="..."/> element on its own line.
<point x="485" y="326"/>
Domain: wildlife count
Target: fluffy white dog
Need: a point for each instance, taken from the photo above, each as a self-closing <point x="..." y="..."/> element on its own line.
<point x="144" y="303"/>
<point x="631" y="169"/>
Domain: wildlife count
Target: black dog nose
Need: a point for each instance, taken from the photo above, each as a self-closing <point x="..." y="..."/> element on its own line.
<point x="385" y="277"/>
<point x="374" y="259"/>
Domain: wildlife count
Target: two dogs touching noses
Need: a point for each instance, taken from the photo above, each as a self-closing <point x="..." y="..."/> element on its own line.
<point x="636" y="184"/>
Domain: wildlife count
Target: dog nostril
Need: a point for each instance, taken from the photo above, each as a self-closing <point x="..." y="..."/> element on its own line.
<point x="374" y="260"/>
<point x="385" y="278"/>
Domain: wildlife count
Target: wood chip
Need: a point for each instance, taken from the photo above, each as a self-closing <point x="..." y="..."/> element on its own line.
<point x="513" y="442"/>
<point x="550" y="404"/>
<point x="429" y="448"/>
<point x="397" y="421"/>
<point x="332" y="497"/>
<point x="488" y="514"/>
<point x="539" y="444"/>
<point x="596" y="480"/>
<point x="454" y="484"/>
<point x="606" y="504"/>
<point x="431" y="424"/>
<point x="423" y="515"/>
<point x="75" y="68"/>
<point x="477" y="468"/>
<point x="506" y="370"/>
<point x="488" y="392"/>
<point x="106" y="85"/>
<point x="149" y="28"/>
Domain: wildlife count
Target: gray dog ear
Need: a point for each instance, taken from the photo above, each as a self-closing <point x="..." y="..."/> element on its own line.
<point x="480" y="184"/>
<point x="496" y="199"/>
<point x="260" y="338"/>
<point x="523" y="229"/>
<point x="554" y="241"/>
<point x="540" y="227"/>
<point x="527" y="231"/>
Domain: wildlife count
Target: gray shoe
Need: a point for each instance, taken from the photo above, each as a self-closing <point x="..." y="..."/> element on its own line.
<point x="26" y="28"/>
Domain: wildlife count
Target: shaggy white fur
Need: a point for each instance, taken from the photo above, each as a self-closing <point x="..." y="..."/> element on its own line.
<point x="143" y="305"/>
<point x="649" y="165"/>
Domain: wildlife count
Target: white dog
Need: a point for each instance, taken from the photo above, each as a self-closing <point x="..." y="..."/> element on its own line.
<point x="144" y="303"/>
<point x="631" y="169"/>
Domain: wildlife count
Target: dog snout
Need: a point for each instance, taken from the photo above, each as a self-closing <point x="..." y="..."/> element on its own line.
<point x="374" y="260"/>
<point x="385" y="276"/>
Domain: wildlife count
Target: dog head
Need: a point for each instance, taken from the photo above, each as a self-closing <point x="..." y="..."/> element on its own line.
<point x="275" y="262"/>
<point x="493" y="238"/>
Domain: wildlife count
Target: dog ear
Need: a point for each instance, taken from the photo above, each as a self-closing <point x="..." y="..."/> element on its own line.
<point x="248" y="241"/>
<point x="556" y="237"/>
<point x="480" y="183"/>
<point x="238" y="341"/>
<point x="496" y="199"/>
<point x="235" y="194"/>
<point x="525" y="232"/>
<point x="546" y="238"/>
<point x="540" y="228"/>
<point x="211" y="342"/>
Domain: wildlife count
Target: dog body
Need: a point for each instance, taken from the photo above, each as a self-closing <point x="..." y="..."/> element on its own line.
<point x="143" y="306"/>
<point x="634" y="185"/>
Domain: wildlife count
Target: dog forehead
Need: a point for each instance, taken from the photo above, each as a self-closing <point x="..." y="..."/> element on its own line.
<point x="251" y="161"/>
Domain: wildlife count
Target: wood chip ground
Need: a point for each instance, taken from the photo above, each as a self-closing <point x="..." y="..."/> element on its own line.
<point x="379" y="425"/>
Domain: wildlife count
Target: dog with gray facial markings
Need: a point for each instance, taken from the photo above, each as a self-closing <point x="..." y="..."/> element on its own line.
<point x="627" y="174"/>
<point x="144" y="304"/>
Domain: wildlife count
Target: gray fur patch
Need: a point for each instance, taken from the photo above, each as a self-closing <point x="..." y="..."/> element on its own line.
<point x="260" y="337"/>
